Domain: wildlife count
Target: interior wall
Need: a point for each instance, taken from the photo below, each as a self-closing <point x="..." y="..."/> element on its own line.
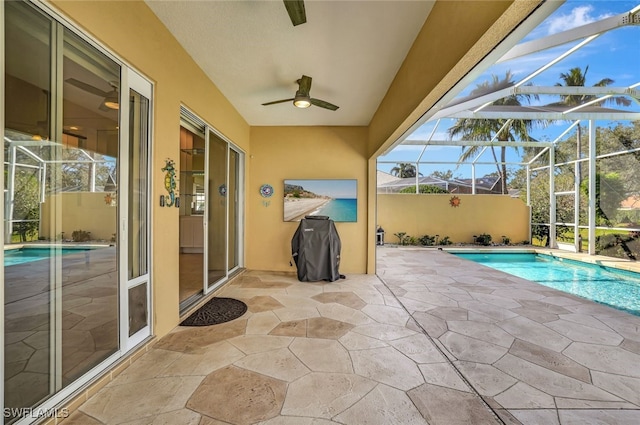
<point x="134" y="33"/>
<point x="432" y="214"/>
<point x="279" y="153"/>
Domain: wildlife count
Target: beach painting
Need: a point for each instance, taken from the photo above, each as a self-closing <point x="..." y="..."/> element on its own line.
<point x="331" y="197"/>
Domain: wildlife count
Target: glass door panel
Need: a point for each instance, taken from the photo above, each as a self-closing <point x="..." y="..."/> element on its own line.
<point x="28" y="309"/>
<point x="137" y="215"/>
<point x="82" y="205"/>
<point x="61" y="156"/>
<point x="216" y="228"/>
<point x="192" y="208"/>
<point x="233" y="196"/>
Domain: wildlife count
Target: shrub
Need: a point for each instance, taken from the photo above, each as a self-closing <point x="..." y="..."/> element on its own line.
<point x="445" y="241"/>
<point x="411" y="240"/>
<point x="427" y="240"/>
<point x="483" y="239"/>
<point x="424" y="188"/>
<point x="80" y="236"/>
<point x="402" y="237"/>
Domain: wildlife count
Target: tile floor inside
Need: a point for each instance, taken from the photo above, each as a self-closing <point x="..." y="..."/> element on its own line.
<point x="433" y="339"/>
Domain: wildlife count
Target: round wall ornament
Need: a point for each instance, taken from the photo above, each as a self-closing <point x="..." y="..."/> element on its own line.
<point x="266" y="190"/>
<point x="454" y="201"/>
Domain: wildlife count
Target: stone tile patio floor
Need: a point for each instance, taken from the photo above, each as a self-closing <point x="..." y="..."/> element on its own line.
<point x="434" y="339"/>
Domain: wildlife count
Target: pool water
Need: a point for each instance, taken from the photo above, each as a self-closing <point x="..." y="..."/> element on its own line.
<point x="615" y="288"/>
<point x="28" y="255"/>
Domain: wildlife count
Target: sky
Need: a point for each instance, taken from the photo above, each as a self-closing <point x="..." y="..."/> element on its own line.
<point x="341" y="189"/>
<point x="615" y="55"/>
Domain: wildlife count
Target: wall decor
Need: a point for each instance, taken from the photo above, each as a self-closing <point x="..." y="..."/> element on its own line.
<point x="266" y="190"/>
<point x="455" y="201"/>
<point x="335" y="198"/>
<point x="170" y="184"/>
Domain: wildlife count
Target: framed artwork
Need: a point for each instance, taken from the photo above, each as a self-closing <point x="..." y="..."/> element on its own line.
<point x="336" y="198"/>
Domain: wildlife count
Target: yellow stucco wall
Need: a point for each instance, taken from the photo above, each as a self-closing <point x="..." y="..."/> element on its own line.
<point x="86" y="211"/>
<point x="431" y="214"/>
<point x="279" y="153"/>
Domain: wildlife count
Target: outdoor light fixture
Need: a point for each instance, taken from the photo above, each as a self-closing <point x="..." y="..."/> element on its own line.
<point x="302" y="101"/>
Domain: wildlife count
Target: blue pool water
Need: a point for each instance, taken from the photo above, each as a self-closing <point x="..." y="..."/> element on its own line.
<point x="27" y="255"/>
<point x="616" y="288"/>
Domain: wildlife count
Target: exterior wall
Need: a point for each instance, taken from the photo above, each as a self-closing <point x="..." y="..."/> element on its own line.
<point x="279" y="153"/>
<point x="133" y="32"/>
<point x="457" y="35"/>
<point x="419" y="215"/>
<point x="101" y="221"/>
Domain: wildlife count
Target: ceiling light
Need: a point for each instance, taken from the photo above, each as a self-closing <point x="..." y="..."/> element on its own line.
<point x="302" y="101"/>
<point x="111" y="100"/>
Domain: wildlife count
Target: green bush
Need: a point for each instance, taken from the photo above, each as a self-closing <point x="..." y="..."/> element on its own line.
<point x="445" y="241"/>
<point x="424" y="188"/>
<point x="80" y="236"/>
<point x="483" y="239"/>
<point x="427" y="240"/>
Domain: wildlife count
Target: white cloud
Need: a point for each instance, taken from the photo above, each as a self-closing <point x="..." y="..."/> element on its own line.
<point x="578" y="16"/>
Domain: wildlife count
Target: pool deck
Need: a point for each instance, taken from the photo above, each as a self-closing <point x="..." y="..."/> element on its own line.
<point x="433" y="339"/>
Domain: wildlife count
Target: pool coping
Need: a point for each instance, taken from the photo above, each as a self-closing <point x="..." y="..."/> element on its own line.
<point x="600" y="260"/>
<point x="57" y="245"/>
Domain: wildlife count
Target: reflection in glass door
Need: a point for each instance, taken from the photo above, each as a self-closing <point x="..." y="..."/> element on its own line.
<point x="62" y="152"/>
<point x="76" y="210"/>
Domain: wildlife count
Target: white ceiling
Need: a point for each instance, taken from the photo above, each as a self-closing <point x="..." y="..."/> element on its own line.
<point x="253" y="54"/>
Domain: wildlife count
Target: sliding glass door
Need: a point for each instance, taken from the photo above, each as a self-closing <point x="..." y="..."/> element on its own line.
<point x="76" y="210"/>
<point x="216" y="216"/>
<point x="210" y="210"/>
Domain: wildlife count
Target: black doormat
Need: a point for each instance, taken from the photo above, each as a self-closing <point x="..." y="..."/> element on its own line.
<point x="215" y="311"/>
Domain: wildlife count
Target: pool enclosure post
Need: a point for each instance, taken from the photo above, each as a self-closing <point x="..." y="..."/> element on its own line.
<point x="552" y="197"/>
<point x="577" y="240"/>
<point x="10" y="194"/>
<point x="592" y="188"/>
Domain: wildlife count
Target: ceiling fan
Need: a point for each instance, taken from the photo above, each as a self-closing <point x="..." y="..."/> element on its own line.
<point x="295" y="9"/>
<point x="302" y="98"/>
<point x="110" y="98"/>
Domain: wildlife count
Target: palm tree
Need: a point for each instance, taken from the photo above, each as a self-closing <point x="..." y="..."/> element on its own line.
<point x="404" y="170"/>
<point x="577" y="78"/>
<point x="486" y="129"/>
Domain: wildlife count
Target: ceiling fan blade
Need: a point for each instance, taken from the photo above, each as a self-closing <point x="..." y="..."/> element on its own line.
<point x="304" y="85"/>
<point x="277" y="101"/>
<point x="323" y="104"/>
<point x="295" y="9"/>
<point x="86" y="87"/>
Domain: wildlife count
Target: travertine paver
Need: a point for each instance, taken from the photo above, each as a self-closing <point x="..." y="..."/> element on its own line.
<point x="536" y="355"/>
<point x="461" y="344"/>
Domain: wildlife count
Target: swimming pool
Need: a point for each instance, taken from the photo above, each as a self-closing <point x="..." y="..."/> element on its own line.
<point x="23" y="255"/>
<point x="616" y="288"/>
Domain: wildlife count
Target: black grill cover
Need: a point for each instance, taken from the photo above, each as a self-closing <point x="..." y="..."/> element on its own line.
<point x="316" y="249"/>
